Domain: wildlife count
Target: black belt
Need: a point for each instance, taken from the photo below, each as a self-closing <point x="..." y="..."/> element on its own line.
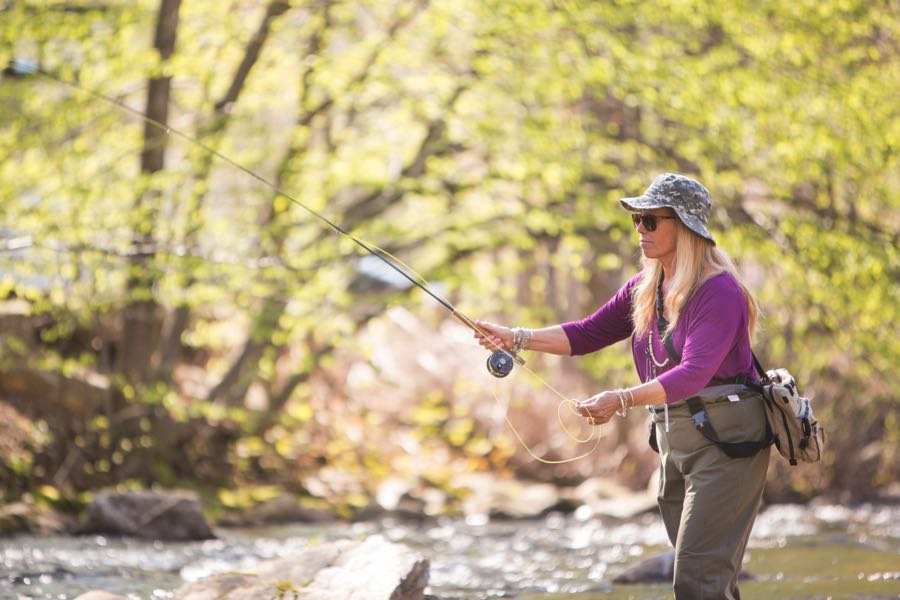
<point x="702" y="423"/>
<point x="736" y="380"/>
<point x="731" y="449"/>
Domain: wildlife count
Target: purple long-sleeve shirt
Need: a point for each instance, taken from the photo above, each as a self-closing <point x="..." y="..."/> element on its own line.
<point x="711" y="335"/>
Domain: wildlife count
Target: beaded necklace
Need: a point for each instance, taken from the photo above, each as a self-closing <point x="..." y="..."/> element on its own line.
<point x="661" y="323"/>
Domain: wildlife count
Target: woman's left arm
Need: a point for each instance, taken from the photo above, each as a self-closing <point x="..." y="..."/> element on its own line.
<point x="601" y="407"/>
<point x="716" y="314"/>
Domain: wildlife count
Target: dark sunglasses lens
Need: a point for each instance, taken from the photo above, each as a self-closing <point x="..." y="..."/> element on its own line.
<point x="648" y="220"/>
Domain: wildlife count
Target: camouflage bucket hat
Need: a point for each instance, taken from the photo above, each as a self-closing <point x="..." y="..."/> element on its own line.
<point x="688" y="198"/>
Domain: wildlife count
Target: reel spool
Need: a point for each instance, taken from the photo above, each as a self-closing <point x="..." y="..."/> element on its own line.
<point x="500" y="363"/>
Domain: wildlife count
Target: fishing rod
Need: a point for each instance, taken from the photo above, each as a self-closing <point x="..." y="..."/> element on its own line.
<point x="501" y="361"/>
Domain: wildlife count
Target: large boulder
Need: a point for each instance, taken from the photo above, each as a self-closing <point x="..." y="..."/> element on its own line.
<point x="374" y="569"/>
<point x="156" y="515"/>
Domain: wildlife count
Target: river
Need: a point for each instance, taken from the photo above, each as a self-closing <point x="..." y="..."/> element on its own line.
<point x="795" y="552"/>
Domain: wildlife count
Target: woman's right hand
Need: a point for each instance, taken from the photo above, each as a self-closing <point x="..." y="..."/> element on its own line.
<point x="599" y="408"/>
<point x="497" y="335"/>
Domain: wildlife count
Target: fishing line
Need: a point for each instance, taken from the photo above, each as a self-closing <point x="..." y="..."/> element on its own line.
<point x="500" y="362"/>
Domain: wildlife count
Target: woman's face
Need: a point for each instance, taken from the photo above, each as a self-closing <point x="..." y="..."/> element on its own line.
<point x="659" y="243"/>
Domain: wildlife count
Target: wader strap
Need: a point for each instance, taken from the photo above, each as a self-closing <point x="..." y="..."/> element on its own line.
<point x="731" y="449"/>
<point x="695" y="404"/>
<point x="670" y="348"/>
<point x="654" y="445"/>
<point x="662" y="324"/>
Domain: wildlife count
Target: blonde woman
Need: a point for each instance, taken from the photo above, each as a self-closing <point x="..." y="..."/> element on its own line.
<point x="690" y="320"/>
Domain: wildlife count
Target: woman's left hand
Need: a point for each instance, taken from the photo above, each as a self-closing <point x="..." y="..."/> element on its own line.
<point x="599" y="408"/>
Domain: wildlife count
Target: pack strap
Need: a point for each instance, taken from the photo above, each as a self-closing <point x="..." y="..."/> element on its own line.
<point x="731" y="449"/>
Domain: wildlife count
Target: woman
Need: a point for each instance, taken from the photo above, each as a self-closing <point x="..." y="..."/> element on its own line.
<point x="700" y="348"/>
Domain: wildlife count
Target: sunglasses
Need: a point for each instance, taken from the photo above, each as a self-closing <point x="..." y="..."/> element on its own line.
<point x="649" y="221"/>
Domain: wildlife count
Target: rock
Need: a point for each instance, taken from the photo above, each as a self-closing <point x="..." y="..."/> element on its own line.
<point x="370" y="512"/>
<point x="390" y="491"/>
<point x="20" y="517"/>
<point x="624" y="507"/>
<point x="606" y="497"/>
<point x="518" y="500"/>
<point x="659" y="568"/>
<point x="168" y="515"/>
<point x="655" y="569"/>
<point x="506" y="498"/>
<point x="374" y="569"/>
<point x="889" y="493"/>
<point x="596" y="489"/>
<point x="99" y="595"/>
<point x="285" y="509"/>
<point x="40" y="574"/>
<point x="408" y="499"/>
<point x="60" y="399"/>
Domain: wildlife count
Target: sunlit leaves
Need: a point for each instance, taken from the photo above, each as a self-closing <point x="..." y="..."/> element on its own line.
<point x="547" y="113"/>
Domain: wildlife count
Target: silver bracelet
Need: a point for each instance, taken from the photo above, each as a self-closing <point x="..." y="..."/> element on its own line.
<point x="626" y="401"/>
<point x="621" y="410"/>
<point x="521" y="338"/>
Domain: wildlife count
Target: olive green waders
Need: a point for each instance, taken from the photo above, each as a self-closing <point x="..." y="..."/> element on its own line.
<point x="709" y="501"/>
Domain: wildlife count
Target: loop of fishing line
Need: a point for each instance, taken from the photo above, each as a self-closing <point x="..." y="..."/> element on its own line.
<point x="564" y="400"/>
<point x="389" y="259"/>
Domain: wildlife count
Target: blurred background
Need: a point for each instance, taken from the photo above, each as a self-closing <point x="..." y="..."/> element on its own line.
<point x="168" y="320"/>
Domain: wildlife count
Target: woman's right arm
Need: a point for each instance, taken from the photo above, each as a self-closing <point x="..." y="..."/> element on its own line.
<point x="552" y="340"/>
<point x="609" y="324"/>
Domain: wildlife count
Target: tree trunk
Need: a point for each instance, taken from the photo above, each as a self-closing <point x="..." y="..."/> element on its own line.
<point x="212" y="135"/>
<point x="234" y="384"/>
<point x="142" y="320"/>
<point x="244" y="370"/>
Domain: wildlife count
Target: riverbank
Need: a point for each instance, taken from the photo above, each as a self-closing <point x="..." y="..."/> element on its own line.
<point x="795" y="552"/>
<point x="477" y="497"/>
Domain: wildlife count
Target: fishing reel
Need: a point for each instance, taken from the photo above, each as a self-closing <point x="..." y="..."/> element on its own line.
<point x="500" y="363"/>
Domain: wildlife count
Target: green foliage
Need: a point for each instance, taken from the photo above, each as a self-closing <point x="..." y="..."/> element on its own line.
<point x="484" y="143"/>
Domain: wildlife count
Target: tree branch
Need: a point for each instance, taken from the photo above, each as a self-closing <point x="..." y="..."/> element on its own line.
<point x="275" y="9"/>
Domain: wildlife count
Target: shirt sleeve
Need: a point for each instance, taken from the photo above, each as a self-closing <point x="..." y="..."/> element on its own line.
<point x="609" y="324"/>
<point x="713" y="319"/>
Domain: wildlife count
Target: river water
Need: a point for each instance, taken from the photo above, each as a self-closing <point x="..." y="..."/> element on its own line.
<point x="795" y="552"/>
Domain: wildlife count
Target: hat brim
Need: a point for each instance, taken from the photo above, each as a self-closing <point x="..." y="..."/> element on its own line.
<point x="640" y="203"/>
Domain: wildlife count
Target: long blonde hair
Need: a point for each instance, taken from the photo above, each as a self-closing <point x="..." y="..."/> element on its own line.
<point x="694" y="256"/>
